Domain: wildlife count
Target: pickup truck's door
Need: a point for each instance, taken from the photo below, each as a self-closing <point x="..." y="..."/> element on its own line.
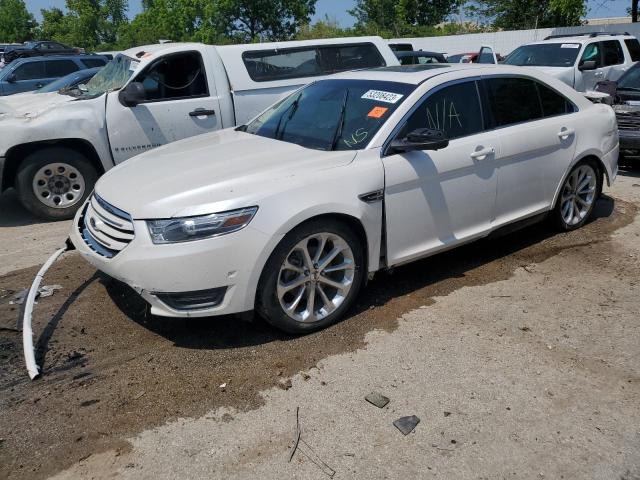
<point x="181" y="102"/>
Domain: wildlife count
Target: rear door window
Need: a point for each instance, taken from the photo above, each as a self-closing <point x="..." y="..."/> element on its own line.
<point x="612" y="52"/>
<point x="285" y="63"/>
<point x="513" y="100"/>
<point x="634" y="48"/>
<point x="60" y="68"/>
<point x="454" y="109"/>
<point x="553" y="103"/>
<point x="30" y="71"/>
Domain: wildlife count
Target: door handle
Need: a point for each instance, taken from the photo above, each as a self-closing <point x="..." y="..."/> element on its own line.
<point x="566" y="133"/>
<point x="599" y="74"/>
<point x="201" y="112"/>
<point x="482" y="154"/>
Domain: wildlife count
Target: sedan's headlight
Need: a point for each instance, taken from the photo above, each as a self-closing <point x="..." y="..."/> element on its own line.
<point x="174" y="230"/>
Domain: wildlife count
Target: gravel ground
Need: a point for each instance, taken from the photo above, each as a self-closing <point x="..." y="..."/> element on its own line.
<point x="519" y="355"/>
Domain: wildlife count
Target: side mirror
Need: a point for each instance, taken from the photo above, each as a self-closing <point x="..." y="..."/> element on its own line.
<point x="420" y="139"/>
<point x="133" y="94"/>
<point x="12" y="78"/>
<point x="588" y="65"/>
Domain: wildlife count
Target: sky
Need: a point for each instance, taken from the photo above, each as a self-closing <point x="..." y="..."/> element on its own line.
<point x="338" y="8"/>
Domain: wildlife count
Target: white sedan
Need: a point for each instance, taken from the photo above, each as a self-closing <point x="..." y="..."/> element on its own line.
<point x="291" y="213"/>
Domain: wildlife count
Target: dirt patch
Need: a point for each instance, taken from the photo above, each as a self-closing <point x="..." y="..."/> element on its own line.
<point x="111" y="370"/>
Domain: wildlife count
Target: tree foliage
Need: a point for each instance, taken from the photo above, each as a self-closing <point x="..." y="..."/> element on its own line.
<point x="16" y="23"/>
<point x="528" y="14"/>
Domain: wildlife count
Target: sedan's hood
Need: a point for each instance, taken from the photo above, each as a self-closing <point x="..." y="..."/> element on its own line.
<point x="210" y="173"/>
<point x="29" y="105"/>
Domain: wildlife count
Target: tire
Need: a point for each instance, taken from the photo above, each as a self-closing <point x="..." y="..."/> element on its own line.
<point x="578" y="195"/>
<point x="54" y="182"/>
<point x="347" y="269"/>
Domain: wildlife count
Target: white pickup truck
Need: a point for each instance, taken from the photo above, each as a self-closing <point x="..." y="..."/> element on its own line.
<point x="54" y="146"/>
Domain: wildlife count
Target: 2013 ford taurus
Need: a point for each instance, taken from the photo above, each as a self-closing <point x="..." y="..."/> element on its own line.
<point x="290" y="213"/>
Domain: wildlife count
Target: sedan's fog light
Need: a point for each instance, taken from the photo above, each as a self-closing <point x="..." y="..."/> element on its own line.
<point x="197" y="300"/>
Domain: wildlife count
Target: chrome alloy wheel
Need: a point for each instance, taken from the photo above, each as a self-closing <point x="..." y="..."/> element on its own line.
<point x="578" y="194"/>
<point x="58" y="185"/>
<point x="315" y="277"/>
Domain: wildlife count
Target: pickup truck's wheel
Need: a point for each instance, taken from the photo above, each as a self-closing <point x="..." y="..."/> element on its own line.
<point x="578" y="196"/>
<point x="52" y="183"/>
<point x="312" y="277"/>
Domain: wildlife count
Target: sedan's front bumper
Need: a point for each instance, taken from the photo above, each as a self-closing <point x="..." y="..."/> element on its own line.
<point x="224" y="263"/>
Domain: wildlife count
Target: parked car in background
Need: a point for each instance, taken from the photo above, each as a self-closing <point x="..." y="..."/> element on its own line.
<point x="3" y="46"/>
<point x="581" y="61"/>
<point x="401" y="47"/>
<point x="419" y="58"/>
<point x="109" y="55"/>
<point x="37" y="49"/>
<point x="291" y="212"/>
<point x="69" y="82"/>
<point x="27" y="74"/>
<point x="625" y="101"/>
<point x="150" y="96"/>
<point x="484" y="55"/>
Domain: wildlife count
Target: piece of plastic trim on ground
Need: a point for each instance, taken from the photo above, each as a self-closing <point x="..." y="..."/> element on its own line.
<point x="27" y="332"/>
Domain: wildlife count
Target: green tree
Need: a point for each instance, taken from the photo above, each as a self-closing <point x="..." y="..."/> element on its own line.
<point x="399" y="17"/>
<point x="251" y="20"/>
<point x="16" y="23"/>
<point x="526" y="14"/>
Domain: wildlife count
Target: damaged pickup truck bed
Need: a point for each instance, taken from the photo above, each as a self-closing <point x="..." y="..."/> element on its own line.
<point x="54" y="146"/>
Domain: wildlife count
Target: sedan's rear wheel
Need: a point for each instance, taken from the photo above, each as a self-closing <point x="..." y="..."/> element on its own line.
<point x="578" y="196"/>
<point x="312" y="277"/>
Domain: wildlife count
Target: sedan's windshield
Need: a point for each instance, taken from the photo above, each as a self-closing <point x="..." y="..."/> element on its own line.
<point x="112" y="76"/>
<point x="544" y="55"/>
<point x="331" y="114"/>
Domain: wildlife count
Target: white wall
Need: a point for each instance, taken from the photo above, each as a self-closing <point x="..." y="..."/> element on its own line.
<point x="505" y="42"/>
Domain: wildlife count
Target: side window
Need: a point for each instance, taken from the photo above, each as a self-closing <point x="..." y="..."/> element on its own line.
<point x="634" y="48"/>
<point x="60" y="68"/>
<point x="284" y="63"/>
<point x="407" y="60"/>
<point x="552" y="102"/>
<point x="175" y="76"/>
<point x="30" y="71"/>
<point x="454" y="109"/>
<point x="513" y="100"/>
<point x="592" y="52"/>
<point x="612" y="52"/>
<point x="485" y="56"/>
<point x="93" y="62"/>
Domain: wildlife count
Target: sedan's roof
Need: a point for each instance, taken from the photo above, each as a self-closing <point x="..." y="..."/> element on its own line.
<point x="417" y="74"/>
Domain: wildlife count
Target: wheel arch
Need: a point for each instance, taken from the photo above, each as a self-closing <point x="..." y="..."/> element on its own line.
<point x="350" y="220"/>
<point x="16" y="154"/>
<point x="604" y="174"/>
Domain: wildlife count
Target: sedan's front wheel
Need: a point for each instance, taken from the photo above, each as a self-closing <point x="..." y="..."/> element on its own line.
<point x="312" y="277"/>
<point x="578" y="196"/>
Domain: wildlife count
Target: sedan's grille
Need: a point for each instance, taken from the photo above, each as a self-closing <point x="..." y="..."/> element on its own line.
<point x="628" y="120"/>
<point x="104" y="228"/>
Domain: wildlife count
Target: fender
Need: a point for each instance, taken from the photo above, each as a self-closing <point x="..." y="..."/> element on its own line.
<point x="591" y="153"/>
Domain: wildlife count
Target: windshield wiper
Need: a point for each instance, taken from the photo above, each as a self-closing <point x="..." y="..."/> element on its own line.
<point x="340" y="126"/>
<point x="293" y="107"/>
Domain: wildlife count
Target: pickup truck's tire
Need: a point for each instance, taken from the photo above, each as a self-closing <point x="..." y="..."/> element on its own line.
<point x="305" y="285"/>
<point x="53" y="182"/>
<point x="578" y="195"/>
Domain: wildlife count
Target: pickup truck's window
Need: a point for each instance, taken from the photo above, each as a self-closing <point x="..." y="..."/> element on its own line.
<point x="60" y="68"/>
<point x="552" y="102"/>
<point x="592" y="52"/>
<point x="30" y="71"/>
<point x="331" y="114"/>
<point x="93" y="62"/>
<point x="513" y="100"/>
<point x="269" y="65"/>
<point x="181" y="75"/>
<point x="454" y="109"/>
<point x="612" y="52"/>
<point x="544" y="55"/>
<point x="634" y="48"/>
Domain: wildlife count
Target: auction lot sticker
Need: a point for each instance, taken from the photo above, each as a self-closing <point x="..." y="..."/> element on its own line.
<point x="379" y="95"/>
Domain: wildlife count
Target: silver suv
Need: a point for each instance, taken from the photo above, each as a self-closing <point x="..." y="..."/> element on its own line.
<point x="580" y="61"/>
